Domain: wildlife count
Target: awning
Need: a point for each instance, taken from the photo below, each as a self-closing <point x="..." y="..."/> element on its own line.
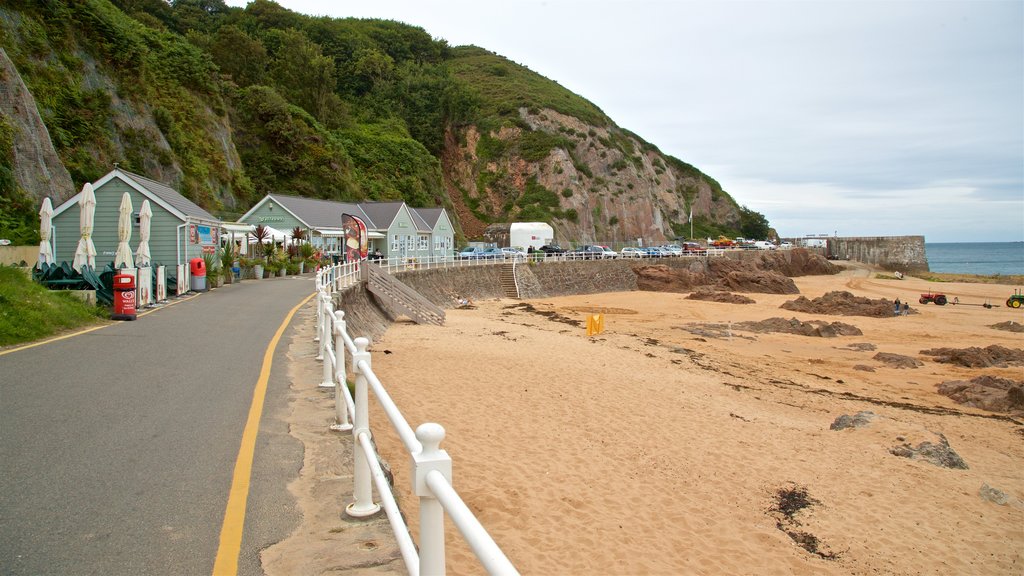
<point x="337" y="233"/>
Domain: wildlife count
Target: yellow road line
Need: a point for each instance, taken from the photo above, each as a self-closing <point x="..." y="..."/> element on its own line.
<point x="91" y="329"/>
<point x="226" y="563"/>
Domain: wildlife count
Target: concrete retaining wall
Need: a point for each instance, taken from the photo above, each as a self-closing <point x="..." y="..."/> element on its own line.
<point x="15" y="255"/>
<point x="896" y="253"/>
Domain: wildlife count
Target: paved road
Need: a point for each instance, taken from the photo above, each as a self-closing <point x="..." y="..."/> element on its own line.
<point x="117" y="447"/>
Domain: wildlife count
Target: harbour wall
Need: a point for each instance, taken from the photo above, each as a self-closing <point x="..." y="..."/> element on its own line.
<point x="895" y="253"/>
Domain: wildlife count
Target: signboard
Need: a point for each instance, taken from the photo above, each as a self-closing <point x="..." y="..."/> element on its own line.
<point x="202" y="235"/>
<point x="356" y="245"/>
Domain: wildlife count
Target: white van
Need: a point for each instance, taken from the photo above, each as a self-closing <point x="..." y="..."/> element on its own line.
<point x="764" y="245"/>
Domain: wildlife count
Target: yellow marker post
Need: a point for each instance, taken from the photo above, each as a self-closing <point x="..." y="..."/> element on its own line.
<point x="595" y="324"/>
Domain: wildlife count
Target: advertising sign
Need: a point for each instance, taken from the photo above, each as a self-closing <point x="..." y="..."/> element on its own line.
<point x="356" y="245"/>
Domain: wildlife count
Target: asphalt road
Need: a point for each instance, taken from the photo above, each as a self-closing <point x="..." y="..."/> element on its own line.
<point x="117" y="447"/>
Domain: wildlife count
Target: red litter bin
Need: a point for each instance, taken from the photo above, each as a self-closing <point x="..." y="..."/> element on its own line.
<point x="124" y="297"/>
<point x="197" y="270"/>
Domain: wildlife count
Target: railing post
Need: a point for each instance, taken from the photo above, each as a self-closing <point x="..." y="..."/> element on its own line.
<point x="326" y="339"/>
<point x="319" y="315"/>
<point x="324" y="334"/>
<point x="340" y="405"/>
<point x="427" y="461"/>
<point x="362" y="504"/>
<point x="338" y="275"/>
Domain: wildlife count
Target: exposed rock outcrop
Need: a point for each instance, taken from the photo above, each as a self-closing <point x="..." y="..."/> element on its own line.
<point x="841" y="303"/>
<point x="813" y="328"/>
<point x="987" y="393"/>
<point x="37" y="168"/>
<point x="712" y="295"/>
<point x="974" y="357"/>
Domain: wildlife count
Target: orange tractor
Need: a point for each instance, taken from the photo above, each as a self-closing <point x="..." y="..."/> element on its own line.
<point x="939" y="299"/>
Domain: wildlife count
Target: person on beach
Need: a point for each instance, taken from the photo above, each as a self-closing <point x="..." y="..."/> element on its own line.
<point x="906" y="308"/>
<point x="896" y="307"/>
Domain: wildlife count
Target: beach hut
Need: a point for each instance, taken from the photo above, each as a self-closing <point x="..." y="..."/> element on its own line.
<point x="179" y="229"/>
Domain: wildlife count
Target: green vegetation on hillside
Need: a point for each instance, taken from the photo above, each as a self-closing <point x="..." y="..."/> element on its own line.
<point x="504" y="87"/>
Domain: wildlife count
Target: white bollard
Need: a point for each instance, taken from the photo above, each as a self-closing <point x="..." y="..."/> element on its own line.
<point x="430" y="459"/>
<point x="362" y="504"/>
<point x="340" y="406"/>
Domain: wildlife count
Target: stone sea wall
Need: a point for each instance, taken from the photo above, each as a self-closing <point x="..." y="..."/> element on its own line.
<point x="895" y="253"/>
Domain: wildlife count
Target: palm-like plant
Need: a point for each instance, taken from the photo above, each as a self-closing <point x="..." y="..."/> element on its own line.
<point x="261" y="233"/>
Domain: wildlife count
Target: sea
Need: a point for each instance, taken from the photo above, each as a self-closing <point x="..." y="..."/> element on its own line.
<point x="981" y="258"/>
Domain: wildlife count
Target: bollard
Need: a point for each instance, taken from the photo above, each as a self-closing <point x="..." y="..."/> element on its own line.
<point x="340" y="406"/>
<point x="427" y="461"/>
<point x="362" y="504"/>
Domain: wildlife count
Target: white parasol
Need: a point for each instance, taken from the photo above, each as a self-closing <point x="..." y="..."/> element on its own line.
<point x="85" y="254"/>
<point x="45" y="225"/>
<point x="142" y="254"/>
<point x="123" y="256"/>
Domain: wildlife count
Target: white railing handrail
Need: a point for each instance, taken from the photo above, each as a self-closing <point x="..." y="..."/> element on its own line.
<point x="431" y="466"/>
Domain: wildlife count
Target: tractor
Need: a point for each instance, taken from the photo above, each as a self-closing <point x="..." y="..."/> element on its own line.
<point x="1015" y="301"/>
<point x="939" y="299"/>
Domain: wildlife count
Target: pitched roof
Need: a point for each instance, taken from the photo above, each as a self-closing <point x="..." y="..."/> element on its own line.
<point x="381" y="213"/>
<point x="171" y="196"/>
<point x="318" y="213"/>
<point x="431" y="216"/>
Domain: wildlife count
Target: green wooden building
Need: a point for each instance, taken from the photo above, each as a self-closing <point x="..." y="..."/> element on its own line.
<point x="392" y="227"/>
<point x="179" y="230"/>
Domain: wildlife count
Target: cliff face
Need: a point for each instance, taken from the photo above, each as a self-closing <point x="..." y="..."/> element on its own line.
<point x="37" y="167"/>
<point x="598" y="183"/>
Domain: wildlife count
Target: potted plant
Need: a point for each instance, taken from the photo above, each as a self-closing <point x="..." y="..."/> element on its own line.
<point x="227" y="262"/>
<point x="261" y="234"/>
<point x="213" y="279"/>
<point x="292" y="267"/>
<point x="307" y="253"/>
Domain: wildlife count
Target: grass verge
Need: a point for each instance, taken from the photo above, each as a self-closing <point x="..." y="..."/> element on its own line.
<point x="29" y="312"/>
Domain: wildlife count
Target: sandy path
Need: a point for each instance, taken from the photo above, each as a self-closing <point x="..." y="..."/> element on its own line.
<point x="651" y="450"/>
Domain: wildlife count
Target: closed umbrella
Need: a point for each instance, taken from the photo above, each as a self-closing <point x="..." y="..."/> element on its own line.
<point x="85" y="254"/>
<point x="45" y="224"/>
<point x="123" y="256"/>
<point x="142" y="254"/>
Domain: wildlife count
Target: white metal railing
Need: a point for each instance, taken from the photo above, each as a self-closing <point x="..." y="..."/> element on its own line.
<point x="432" y="466"/>
<point x="339" y="276"/>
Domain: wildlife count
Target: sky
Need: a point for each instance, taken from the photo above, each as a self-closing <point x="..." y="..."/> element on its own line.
<point x="855" y="118"/>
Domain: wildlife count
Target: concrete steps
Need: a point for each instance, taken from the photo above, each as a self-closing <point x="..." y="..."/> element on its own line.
<point x="508" y="280"/>
<point x="399" y="297"/>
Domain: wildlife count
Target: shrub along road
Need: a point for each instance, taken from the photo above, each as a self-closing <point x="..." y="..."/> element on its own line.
<point x="118" y="446"/>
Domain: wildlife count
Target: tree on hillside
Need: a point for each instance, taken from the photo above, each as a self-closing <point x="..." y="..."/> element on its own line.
<point x="753" y="225"/>
<point x="306" y="77"/>
<point x="240" y="55"/>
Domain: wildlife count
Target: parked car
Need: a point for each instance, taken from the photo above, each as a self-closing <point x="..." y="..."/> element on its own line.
<point x="586" y="252"/>
<point x="491" y="253"/>
<point x="469" y="252"/>
<point x="764" y="245"/>
<point x="633" y="252"/>
<point x="786" y="245"/>
<point x="693" y="248"/>
<point x="512" y="252"/>
<point x="672" y="250"/>
<point x="656" y="252"/>
<point x="608" y="252"/>
<point x="552" y="249"/>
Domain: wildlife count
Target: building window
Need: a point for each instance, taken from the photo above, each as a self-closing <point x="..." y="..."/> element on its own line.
<point x="424" y="242"/>
<point x="396" y="243"/>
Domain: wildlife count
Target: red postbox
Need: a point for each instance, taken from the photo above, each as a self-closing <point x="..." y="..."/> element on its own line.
<point x="124" y="297"/>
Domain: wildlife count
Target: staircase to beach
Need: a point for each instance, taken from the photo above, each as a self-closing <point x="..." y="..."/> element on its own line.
<point x="508" y="280"/>
<point x="399" y="297"/>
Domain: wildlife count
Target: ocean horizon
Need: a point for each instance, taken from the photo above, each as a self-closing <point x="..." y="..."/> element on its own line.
<point x="981" y="258"/>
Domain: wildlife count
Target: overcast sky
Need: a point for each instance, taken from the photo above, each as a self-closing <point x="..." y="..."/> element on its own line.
<point x="860" y="118"/>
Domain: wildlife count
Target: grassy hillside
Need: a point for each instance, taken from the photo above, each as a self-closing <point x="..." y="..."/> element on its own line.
<point x="28" y="311"/>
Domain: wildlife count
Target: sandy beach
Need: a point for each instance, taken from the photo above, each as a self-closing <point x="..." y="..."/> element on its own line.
<point x="677" y="443"/>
